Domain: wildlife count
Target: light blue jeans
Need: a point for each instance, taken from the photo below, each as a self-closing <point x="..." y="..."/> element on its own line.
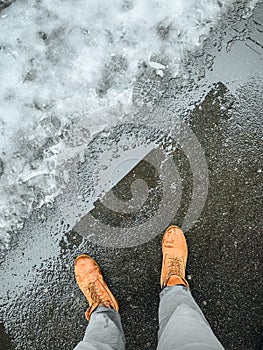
<point x="182" y="326"/>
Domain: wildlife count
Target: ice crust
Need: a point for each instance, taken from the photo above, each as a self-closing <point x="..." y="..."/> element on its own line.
<point x="63" y="59"/>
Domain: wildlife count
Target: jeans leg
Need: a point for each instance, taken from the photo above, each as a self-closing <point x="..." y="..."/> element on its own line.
<point x="104" y="331"/>
<point x="182" y="324"/>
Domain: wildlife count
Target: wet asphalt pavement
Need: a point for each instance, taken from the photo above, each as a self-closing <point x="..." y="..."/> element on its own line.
<point x="41" y="305"/>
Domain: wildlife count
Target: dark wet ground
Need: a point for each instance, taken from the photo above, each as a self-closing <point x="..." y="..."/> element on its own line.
<point x="41" y="306"/>
<point x="5" y="3"/>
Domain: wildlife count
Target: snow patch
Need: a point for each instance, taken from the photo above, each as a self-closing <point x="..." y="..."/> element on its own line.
<point x="63" y="59"/>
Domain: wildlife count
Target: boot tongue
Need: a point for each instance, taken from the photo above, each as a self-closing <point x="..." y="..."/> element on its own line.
<point x="174" y="280"/>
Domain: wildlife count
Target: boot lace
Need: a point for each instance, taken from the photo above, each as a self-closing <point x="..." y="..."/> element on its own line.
<point x="96" y="295"/>
<point x="175" y="267"/>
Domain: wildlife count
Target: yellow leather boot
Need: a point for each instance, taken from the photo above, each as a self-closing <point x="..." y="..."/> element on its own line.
<point x="90" y="280"/>
<point x="175" y="254"/>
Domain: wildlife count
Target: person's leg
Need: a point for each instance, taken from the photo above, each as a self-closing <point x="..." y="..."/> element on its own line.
<point x="104" y="331"/>
<point x="182" y="324"/>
